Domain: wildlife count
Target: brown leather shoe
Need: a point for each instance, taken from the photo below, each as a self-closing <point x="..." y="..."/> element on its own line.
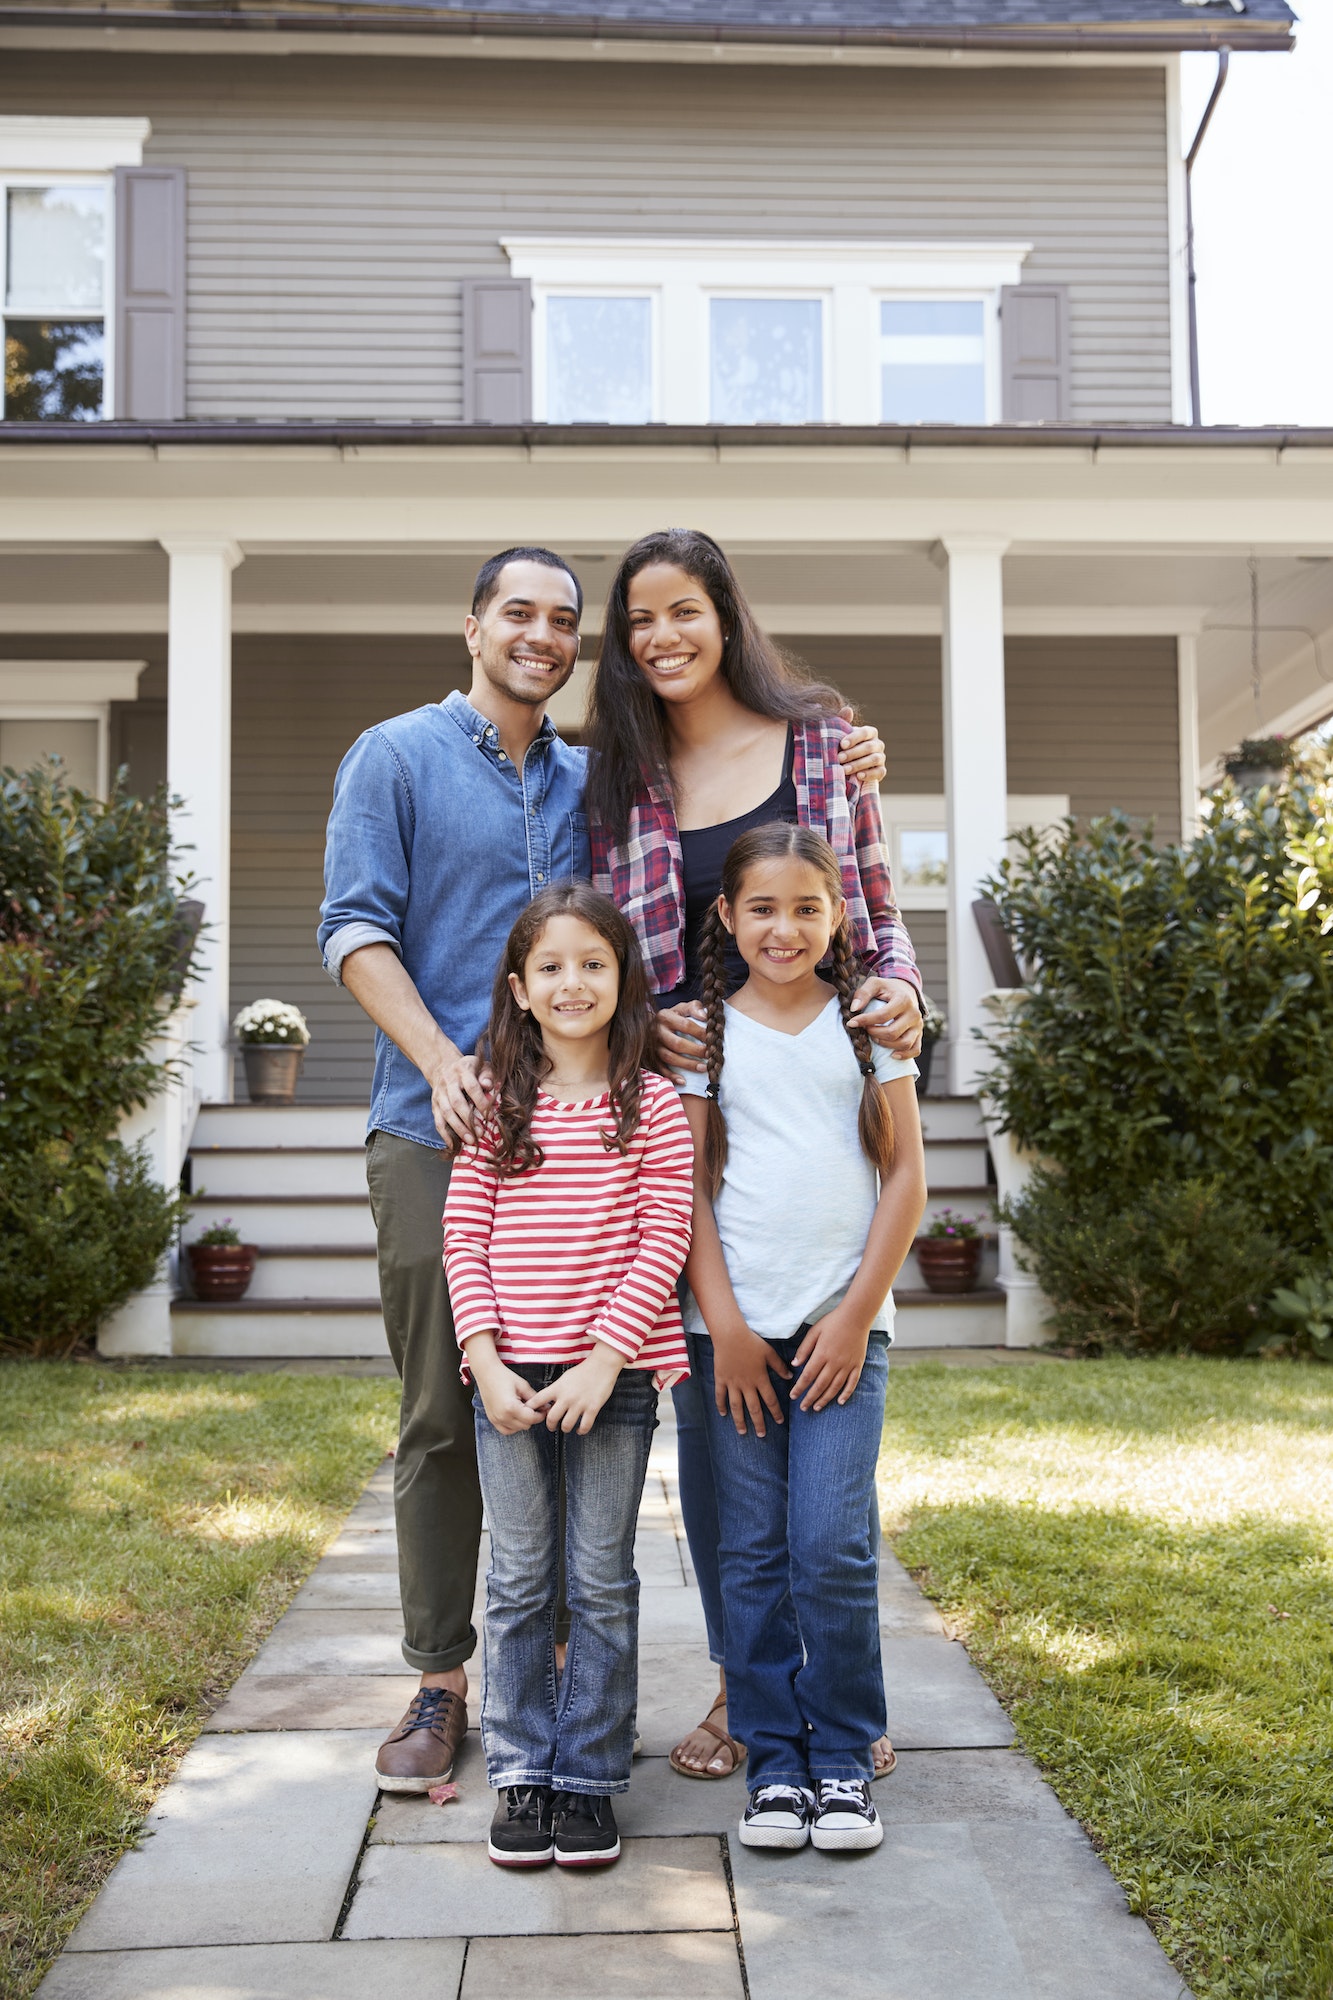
<point x="420" y="1753"/>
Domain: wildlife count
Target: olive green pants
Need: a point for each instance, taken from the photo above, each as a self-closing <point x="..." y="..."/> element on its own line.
<point x="436" y="1496"/>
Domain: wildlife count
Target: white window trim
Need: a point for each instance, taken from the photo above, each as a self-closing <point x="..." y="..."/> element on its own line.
<point x="928" y="812"/>
<point x="44" y="152"/>
<point x="681" y="273"/>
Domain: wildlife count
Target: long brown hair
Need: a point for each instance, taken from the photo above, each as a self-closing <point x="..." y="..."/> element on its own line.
<point x="780" y="842"/>
<point x="513" y="1044"/>
<point x="627" y="730"/>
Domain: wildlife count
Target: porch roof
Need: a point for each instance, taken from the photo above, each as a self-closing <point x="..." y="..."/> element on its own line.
<point x="983" y="24"/>
<point x="352" y="434"/>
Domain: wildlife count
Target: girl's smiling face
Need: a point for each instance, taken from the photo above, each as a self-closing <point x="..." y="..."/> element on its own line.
<point x="675" y="633"/>
<point x="782" y="919"/>
<point x="571" y="981"/>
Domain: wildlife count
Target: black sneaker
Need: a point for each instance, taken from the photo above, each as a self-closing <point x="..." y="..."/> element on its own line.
<point x="585" y="1831"/>
<point x="843" y="1815"/>
<point x="777" y="1816"/>
<point x="521" y="1832"/>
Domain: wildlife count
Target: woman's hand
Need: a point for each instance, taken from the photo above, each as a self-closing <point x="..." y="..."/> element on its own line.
<point x="680" y="1035"/>
<point x="574" y="1398"/>
<point x="743" y="1371"/>
<point x="890" y="1012"/>
<point x="830" y="1359"/>
<point x="506" y="1397"/>
<point x="862" y="751"/>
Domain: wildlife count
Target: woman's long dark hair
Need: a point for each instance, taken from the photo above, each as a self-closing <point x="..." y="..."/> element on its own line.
<point x="780" y="842"/>
<point x="513" y="1045"/>
<point x="627" y="729"/>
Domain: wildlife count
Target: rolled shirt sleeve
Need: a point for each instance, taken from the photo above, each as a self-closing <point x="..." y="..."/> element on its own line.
<point x="894" y="956"/>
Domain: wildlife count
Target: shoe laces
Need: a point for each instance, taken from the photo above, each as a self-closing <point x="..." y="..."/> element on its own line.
<point x="843" y="1792"/>
<point x="772" y="1795"/>
<point x="428" y="1708"/>
<point x="524" y="1802"/>
<point x="579" y="1805"/>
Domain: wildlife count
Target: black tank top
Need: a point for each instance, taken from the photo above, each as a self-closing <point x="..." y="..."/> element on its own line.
<point x="703" y="851"/>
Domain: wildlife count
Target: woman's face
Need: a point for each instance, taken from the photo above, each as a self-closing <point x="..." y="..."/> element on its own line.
<point x="675" y="634"/>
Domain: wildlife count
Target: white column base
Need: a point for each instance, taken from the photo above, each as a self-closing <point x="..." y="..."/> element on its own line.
<point x="1027" y="1310"/>
<point x="143" y="1324"/>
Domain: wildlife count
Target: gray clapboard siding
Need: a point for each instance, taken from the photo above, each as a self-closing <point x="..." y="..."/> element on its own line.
<point x="335" y="207"/>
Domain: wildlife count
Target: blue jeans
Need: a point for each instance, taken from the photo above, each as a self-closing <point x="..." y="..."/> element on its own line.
<point x="577" y="1735"/>
<point x="800" y="1578"/>
<point x="698" y="1494"/>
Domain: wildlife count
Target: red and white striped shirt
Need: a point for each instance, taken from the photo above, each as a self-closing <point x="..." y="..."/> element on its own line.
<point x="588" y="1247"/>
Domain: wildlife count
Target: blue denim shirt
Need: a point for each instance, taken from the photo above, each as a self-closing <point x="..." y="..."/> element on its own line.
<point x="436" y="844"/>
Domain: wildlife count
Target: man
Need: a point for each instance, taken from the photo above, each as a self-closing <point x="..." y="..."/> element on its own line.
<point x="445" y="823"/>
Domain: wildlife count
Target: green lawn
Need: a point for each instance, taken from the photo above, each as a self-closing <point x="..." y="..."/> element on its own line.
<point x="1140" y="1557"/>
<point x="152" y="1527"/>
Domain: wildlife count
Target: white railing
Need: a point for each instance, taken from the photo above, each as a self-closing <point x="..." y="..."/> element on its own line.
<point x="166" y="1125"/>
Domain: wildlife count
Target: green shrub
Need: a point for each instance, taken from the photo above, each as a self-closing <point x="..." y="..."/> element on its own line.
<point x="89" y="961"/>
<point x="1184" y="1266"/>
<point x="80" y="1229"/>
<point x="1179" y="1033"/>
<point x="1306" y="1306"/>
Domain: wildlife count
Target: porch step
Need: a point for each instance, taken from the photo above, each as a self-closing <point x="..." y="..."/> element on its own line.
<point x="280" y="1125"/>
<point x="287" y="1169"/>
<point x="315" y="1222"/>
<point x="951" y="1118"/>
<point x="319" y="1271"/>
<point x="292" y="1328"/>
<point x="941" y="1319"/>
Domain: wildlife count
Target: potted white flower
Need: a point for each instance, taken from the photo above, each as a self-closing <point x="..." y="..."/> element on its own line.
<point x="273" y="1039"/>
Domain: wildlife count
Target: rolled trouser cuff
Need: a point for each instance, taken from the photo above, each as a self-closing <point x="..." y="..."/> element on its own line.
<point x="441" y="1663"/>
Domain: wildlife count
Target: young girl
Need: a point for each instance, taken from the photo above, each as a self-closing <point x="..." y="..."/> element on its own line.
<point x="565" y="1227"/>
<point x="809" y="1185"/>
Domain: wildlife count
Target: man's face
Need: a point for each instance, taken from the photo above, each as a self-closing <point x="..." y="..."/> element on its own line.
<point x="526" y="640"/>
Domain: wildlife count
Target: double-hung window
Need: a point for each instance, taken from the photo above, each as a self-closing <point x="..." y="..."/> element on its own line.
<point x="639" y="330"/>
<point x="57" y="221"/>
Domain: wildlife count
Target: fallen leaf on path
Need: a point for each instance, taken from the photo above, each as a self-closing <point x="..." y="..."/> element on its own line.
<point x="440" y="1795"/>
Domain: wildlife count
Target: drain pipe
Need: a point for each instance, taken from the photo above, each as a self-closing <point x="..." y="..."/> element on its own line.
<point x="1223" y="64"/>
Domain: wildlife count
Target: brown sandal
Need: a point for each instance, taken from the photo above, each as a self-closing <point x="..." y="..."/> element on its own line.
<point x="738" y="1750"/>
<point x="892" y="1764"/>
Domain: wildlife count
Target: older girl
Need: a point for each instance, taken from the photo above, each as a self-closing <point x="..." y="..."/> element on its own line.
<point x="809" y="1185"/>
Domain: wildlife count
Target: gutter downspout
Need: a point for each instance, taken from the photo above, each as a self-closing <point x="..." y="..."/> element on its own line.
<point x="1223" y="64"/>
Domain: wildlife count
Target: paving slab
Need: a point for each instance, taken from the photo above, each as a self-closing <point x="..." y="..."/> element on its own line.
<point x="314" y="1701"/>
<point x="333" y="1642"/>
<point x="659" y="1804"/>
<point x="702" y="1964"/>
<point x="363" y="1542"/>
<point x="343" y="1589"/>
<point x="671" y="1615"/>
<point x="457" y="1891"/>
<point x="913" y="1919"/>
<point x="677" y="1686"/>
<point x="936" y="1698"/>
<point x="407" y="1969"/>
<point x="252" y="1842"/>
<point x="902" y="1608"/>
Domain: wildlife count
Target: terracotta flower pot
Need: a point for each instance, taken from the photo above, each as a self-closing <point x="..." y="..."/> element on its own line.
<point x="221" y="1270"/>
<point x="271" y="1070"/>
<point x="949" y="1263"/>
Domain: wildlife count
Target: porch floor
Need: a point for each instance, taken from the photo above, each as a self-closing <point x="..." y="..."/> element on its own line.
<point x="274" y="1871"/>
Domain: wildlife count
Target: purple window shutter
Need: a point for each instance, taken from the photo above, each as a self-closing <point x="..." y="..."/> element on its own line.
<point x="1034" y="353"/>
<point x="150" y="294"/>
<point x="497" y="351"/>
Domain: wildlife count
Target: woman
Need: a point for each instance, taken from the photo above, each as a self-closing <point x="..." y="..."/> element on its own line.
<point x="700" y="729"/>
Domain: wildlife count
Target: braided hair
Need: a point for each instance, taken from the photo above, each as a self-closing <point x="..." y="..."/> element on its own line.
<point x="780" y="842"/>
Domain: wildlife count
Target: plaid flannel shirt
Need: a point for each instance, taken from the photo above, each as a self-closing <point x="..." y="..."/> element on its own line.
<point x="645" y="874"/>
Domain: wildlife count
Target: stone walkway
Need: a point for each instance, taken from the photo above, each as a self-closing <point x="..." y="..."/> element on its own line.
<point x="273" y="1871"/>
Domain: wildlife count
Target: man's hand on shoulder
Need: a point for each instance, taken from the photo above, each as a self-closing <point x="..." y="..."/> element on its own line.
<point x="458" y="1092"/>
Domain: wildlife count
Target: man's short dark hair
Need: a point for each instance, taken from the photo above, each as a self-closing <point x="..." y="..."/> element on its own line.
<point x="487" y="584"/>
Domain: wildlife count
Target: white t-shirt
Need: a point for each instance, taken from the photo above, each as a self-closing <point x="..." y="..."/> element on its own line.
<point x="798" y="1195"/>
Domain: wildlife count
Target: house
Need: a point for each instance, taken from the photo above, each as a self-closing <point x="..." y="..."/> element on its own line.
<point x="310" y="304"/>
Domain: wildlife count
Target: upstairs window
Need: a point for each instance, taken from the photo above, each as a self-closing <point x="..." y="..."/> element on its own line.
<point x="54" y="288"/>
<point x="599" y="359"/>
<point x="932" y="361"/>
<point x="766" y="360"/>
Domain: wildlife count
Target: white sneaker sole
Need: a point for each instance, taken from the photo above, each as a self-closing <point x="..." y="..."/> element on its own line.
<point x="838" y="1839"/>
<point x="773" y="1836"/>
<point x="598" y="1860"/>
<point x="504" y="1859"/>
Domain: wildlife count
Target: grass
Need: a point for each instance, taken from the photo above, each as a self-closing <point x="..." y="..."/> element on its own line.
<point x="1139" y="1556"/>
<point x="152" y="1527"/>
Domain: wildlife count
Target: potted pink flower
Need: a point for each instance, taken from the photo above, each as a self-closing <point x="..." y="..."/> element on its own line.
<point x="949" y="1254"/>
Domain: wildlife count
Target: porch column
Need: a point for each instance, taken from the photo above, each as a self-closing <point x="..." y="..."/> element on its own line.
<point x="199" y="772"/>
<point x="1187" y="696"/>
<point x="975" y="781"/>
